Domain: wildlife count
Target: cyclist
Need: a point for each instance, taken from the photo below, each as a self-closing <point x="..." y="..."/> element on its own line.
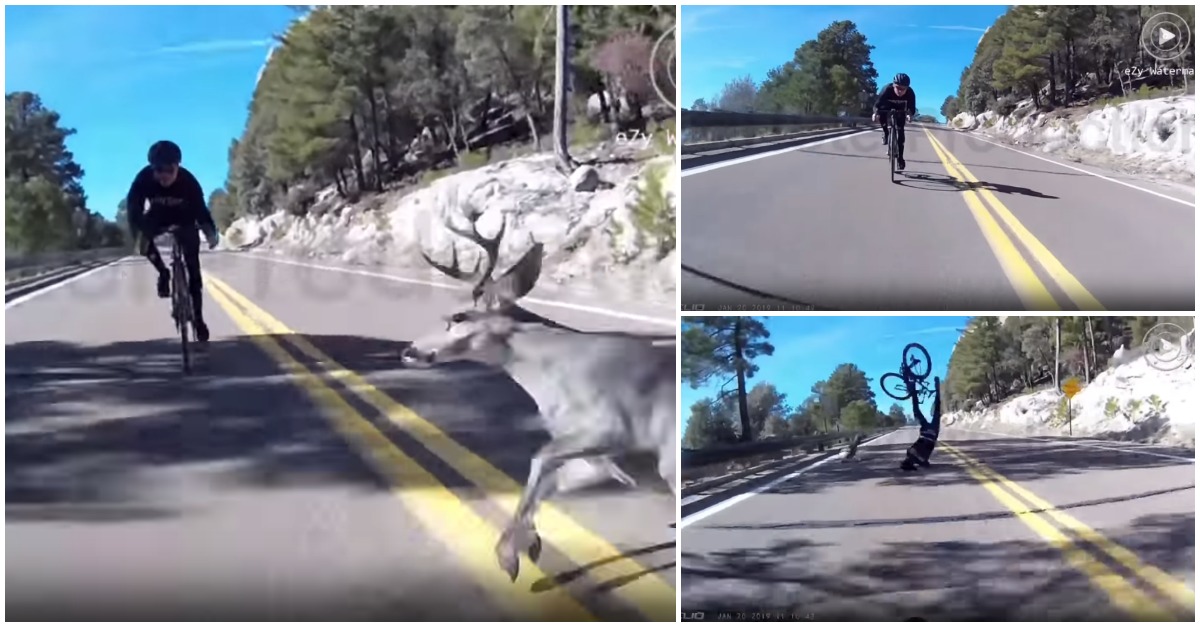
<point x="175" y="198"/>
<point x="897" y="95"/>
<point x="920" y="451"/>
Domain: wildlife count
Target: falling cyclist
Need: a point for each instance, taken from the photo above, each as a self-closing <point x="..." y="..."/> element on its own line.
<point x="920" y="451"/>
<point x="896" y="96"/>
<point x="175" y="199"/>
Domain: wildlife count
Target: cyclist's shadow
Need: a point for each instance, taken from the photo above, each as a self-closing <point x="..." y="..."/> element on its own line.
<point x="947" y="183"/>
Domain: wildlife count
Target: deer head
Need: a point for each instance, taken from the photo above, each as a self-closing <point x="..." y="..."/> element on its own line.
<point x="479" y="335"/>
<point x="493" y="292"/>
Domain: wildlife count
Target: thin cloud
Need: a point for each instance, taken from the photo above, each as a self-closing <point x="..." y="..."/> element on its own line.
<point x="926" y="331"/>
<point x="219" y="45"/>
<point x="974" y="29"/>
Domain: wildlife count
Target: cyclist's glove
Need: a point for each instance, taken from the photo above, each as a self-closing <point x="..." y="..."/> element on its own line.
<point x="214" y="238"/>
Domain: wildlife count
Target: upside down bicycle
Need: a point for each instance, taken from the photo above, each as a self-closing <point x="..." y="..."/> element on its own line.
<point x="915" y="366"/>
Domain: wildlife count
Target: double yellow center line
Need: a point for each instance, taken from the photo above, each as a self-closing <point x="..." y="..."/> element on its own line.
<point x="1030" y="289"/>
<point x="1036" y="513"/>
<point x="462" y="531"/>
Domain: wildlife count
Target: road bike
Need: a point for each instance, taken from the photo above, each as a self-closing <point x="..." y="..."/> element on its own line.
<point x="915" y="366"/>
<point x="181" y="297"/>
<point x="893" y="139"/>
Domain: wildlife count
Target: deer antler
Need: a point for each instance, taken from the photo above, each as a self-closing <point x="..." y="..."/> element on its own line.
<point x="494" y="292"/>
<point x="452" y="270"/>
<point x="490" y="246"/>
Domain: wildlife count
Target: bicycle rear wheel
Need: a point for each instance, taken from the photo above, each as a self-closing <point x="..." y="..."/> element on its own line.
<point x="899" y="384"/>
<point x="916" y="352"/>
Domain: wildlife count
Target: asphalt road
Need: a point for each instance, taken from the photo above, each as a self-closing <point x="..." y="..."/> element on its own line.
<point x="999" y="528"/>
<point x="970" y="225"/>
<point x="301" y="473"/>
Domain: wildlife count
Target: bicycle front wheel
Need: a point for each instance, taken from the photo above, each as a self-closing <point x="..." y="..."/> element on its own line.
<point x="183" y="309"/>
<point x="897" y="385"/>
<point x="892" y="150"/>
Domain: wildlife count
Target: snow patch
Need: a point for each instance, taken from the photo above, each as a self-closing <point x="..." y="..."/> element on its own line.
<point x="1142" y="397"/>
<point x="590" y="237"/>
<point x="1156" y="135"/>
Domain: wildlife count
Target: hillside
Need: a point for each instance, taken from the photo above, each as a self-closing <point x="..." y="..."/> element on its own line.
<point x="1146" y="398"/>
<point x="367" y="100"/>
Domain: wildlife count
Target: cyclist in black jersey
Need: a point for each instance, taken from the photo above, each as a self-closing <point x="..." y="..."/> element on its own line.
<point x="899" y="96"/>
<point x="920" y="451"/>
<point x="165" y="194"/>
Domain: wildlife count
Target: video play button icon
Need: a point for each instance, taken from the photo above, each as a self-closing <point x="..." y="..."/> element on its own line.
<point x="1166" y="36"/>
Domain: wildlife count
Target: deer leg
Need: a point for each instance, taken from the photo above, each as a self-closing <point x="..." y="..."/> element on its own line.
<point x="666" y="467"/>
<point x="578" y="473"/>
<point x="520" y="532"/>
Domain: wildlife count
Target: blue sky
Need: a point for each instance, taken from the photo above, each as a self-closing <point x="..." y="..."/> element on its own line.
<point x="808" y="348"/>
<point x="124" y="77"/>
<point x="932" y="44"/>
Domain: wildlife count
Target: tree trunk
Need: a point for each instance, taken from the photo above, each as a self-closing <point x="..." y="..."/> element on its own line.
<point x="1091" y="335"/>
<point x="561" y="69"/>
<point x="375" y="143"/>
<point x="357" y="155"/>
<point x="1057" y="347"/>
<point x="743" y="405"/>
<point x="537" y="140"/>
<point x="452" y="140"/>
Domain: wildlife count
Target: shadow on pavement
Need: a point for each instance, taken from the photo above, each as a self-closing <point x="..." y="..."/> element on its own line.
<point x="939" y="163"/>
<point x="948" y="581"/>
<point x="89" y="427"/>
<point x="84" y="421"/>
<point x="942" y="182"/>
<point x="1017" y="459"/>
<point x="107" y="433"/>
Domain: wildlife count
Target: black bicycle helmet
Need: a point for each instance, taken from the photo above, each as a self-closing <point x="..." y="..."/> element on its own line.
<point x="164" y="153"/>
<point x="901" y="79"/>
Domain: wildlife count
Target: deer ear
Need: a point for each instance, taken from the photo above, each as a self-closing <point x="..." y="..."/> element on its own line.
<point x="519" y="279"/>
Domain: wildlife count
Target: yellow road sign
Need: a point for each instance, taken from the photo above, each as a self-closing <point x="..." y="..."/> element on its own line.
<point x="1071" y="387"/>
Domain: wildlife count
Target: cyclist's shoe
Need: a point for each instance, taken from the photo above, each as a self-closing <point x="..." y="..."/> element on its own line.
<point x="907" y="465"/>
<point x="901" y="164"/>
<point x="201" y="331"/>
<point x="885" y="137"/>
<point x="164" y="285"/>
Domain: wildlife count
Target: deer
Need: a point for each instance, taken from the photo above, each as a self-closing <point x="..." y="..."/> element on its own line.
<point x="600" y="395"/>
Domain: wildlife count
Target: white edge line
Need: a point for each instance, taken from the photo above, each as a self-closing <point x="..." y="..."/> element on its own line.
<point x="53" y="286"/>
<point x="1071" y="167"/>
<point x="724" y="164"/>
<point x="1079" y="443"/>
<point x="730" y="502"/>
<point x="446" y="286"/>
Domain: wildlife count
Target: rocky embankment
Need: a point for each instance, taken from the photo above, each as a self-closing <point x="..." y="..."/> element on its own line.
<point x="608" y="228"/>
<point x="1153" y="137"/>
<point x="1145" y="395"/>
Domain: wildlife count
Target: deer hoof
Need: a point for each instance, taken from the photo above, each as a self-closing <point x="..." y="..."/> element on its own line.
<point x="506" y="556"/>
<point x="535" y="548"/>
